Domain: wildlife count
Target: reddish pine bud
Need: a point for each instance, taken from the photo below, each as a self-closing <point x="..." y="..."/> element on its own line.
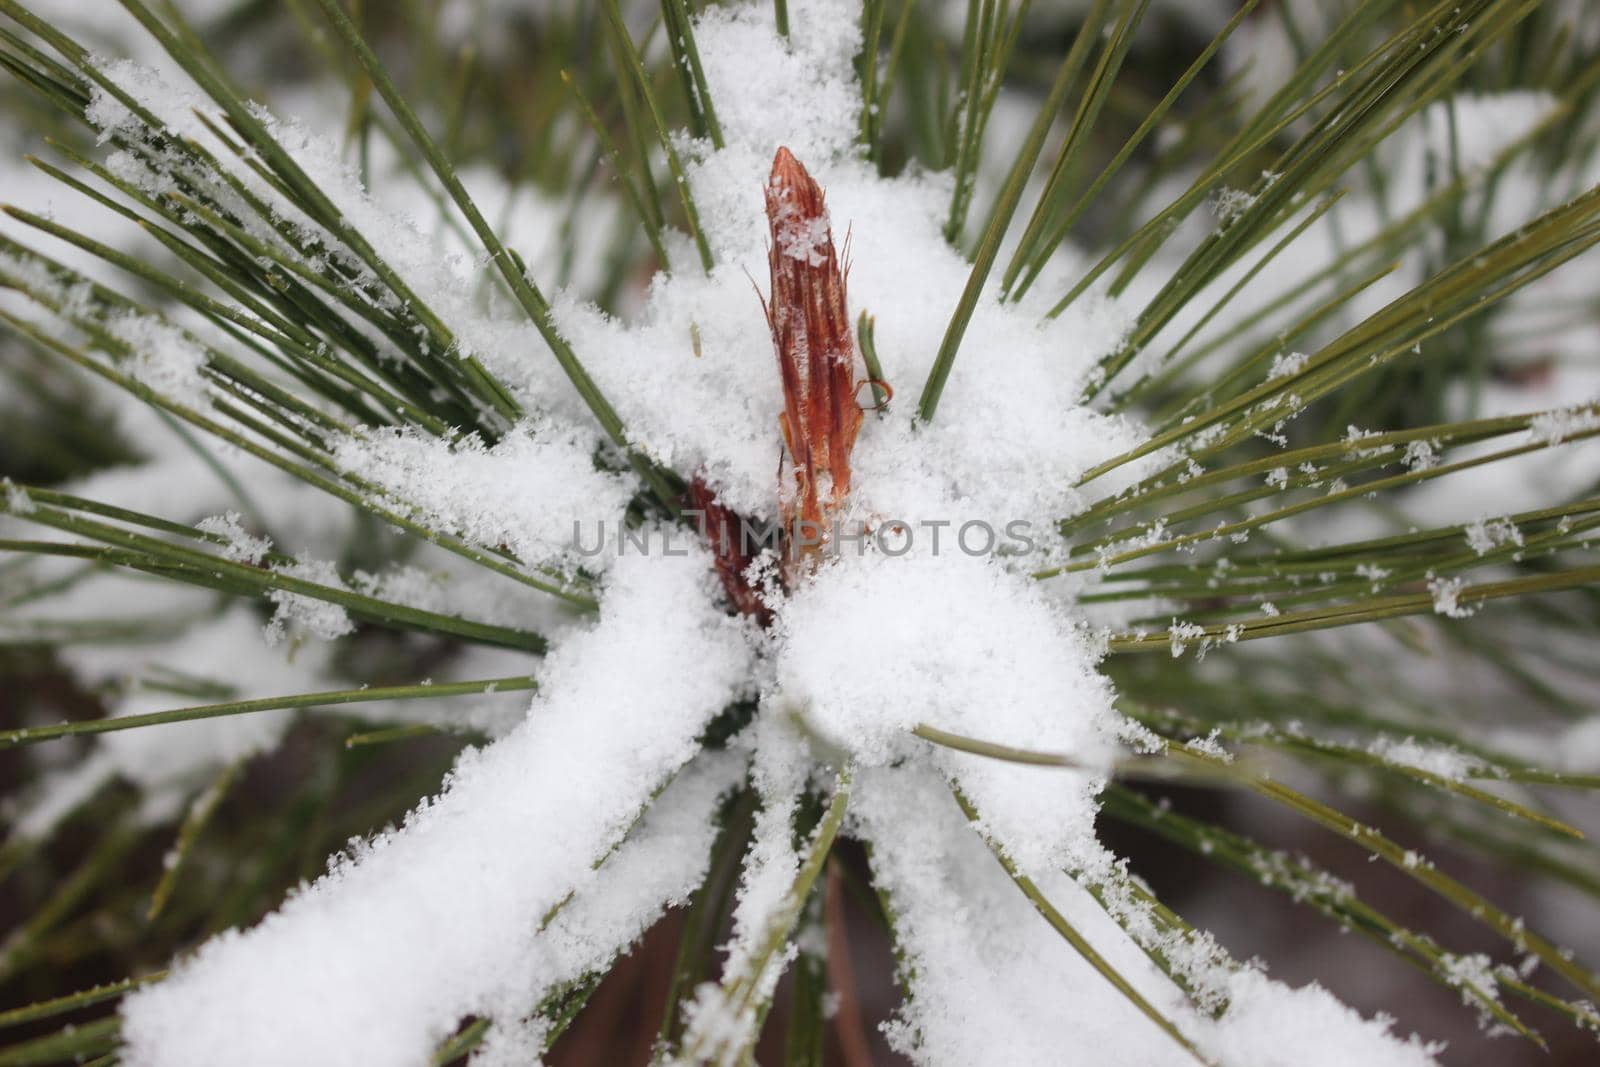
<point x="726" y="533"/>
<point x="816" y="356"/>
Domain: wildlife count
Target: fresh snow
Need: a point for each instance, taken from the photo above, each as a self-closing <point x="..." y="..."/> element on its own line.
<point x="382" y="957"/>
<point x="988" y="984"/>
<point x="536" y="492"/>
<point x="877" y="645"/>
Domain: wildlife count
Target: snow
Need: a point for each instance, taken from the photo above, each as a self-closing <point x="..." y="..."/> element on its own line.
<point x="1269" y="1024"/>
<point x="298" y="615"/>
<point x="990" y="983"/>
<point x="241" y="546"/>
<point x="1285" y="364"/>
<point x="162" y="357"/>
<point x="875" y="645"/>
<point x="716" y="1024"/>
<point x="380" y="959"/>
<point x="1554" y="427"/>
<point x="779" y="772"/>
<point x="1474" y="976"/>
<point x="1447" y="597"/>
<point x="532" y="492"/>
<point x="657" y="866"/>
<point x="1442" y="760"/>
<point x="17" y="500"/>
<point x="1421" y="455"/>
<point x="1486" y="535"/>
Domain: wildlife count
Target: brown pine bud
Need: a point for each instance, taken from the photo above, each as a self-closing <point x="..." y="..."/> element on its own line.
<point x="816" y="356"/>
<point x="727" y="534"/>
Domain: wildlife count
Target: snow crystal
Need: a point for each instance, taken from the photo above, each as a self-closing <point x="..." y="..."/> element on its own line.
<point x="1421" y="455"/>
<point x="299" y="615"/>
<point x="381" y="958"/>
<point x="1442" y="760"/>
<point x="1486" y="535"/>
<point x="1210" y="745"/>
<point x="17" y="500"/>
<point x="241" y="546"/>
<point x="1554" y="427"/>
<point x="1286" y="363"/>
<point x="1354" y="435"/>
<point x="1474" y="976"/>
<point x="1181" y="633"/>
<point x="1229" y="204"/>
<point x="1372" y="572"/>
<point x="1446" y="597"/>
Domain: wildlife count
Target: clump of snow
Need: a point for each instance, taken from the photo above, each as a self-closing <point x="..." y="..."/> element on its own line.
<point x="1474" y="976"/>
<point x="1442" y="760"/>
<point x="1354" y="435"/>
<point x="240" y="545"/>
<point x="534" y="492"/>
<point x="780" y="769"/>
<point x="17" y="500"/>
<point x="1554" y="427"/>
<point x="1447" y="597"/>
<point x="299" y="615"/>
<point x="1486" y="535"/>
<point x="990" y="983"/>
<point x="659" y="864"/>
<point x="381" y="958"/>
<point x="876" y="645"/>
<point x="1421" y="454"/>
<point x="1268" y="1024"/>
<point x="1286" y="363"/>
